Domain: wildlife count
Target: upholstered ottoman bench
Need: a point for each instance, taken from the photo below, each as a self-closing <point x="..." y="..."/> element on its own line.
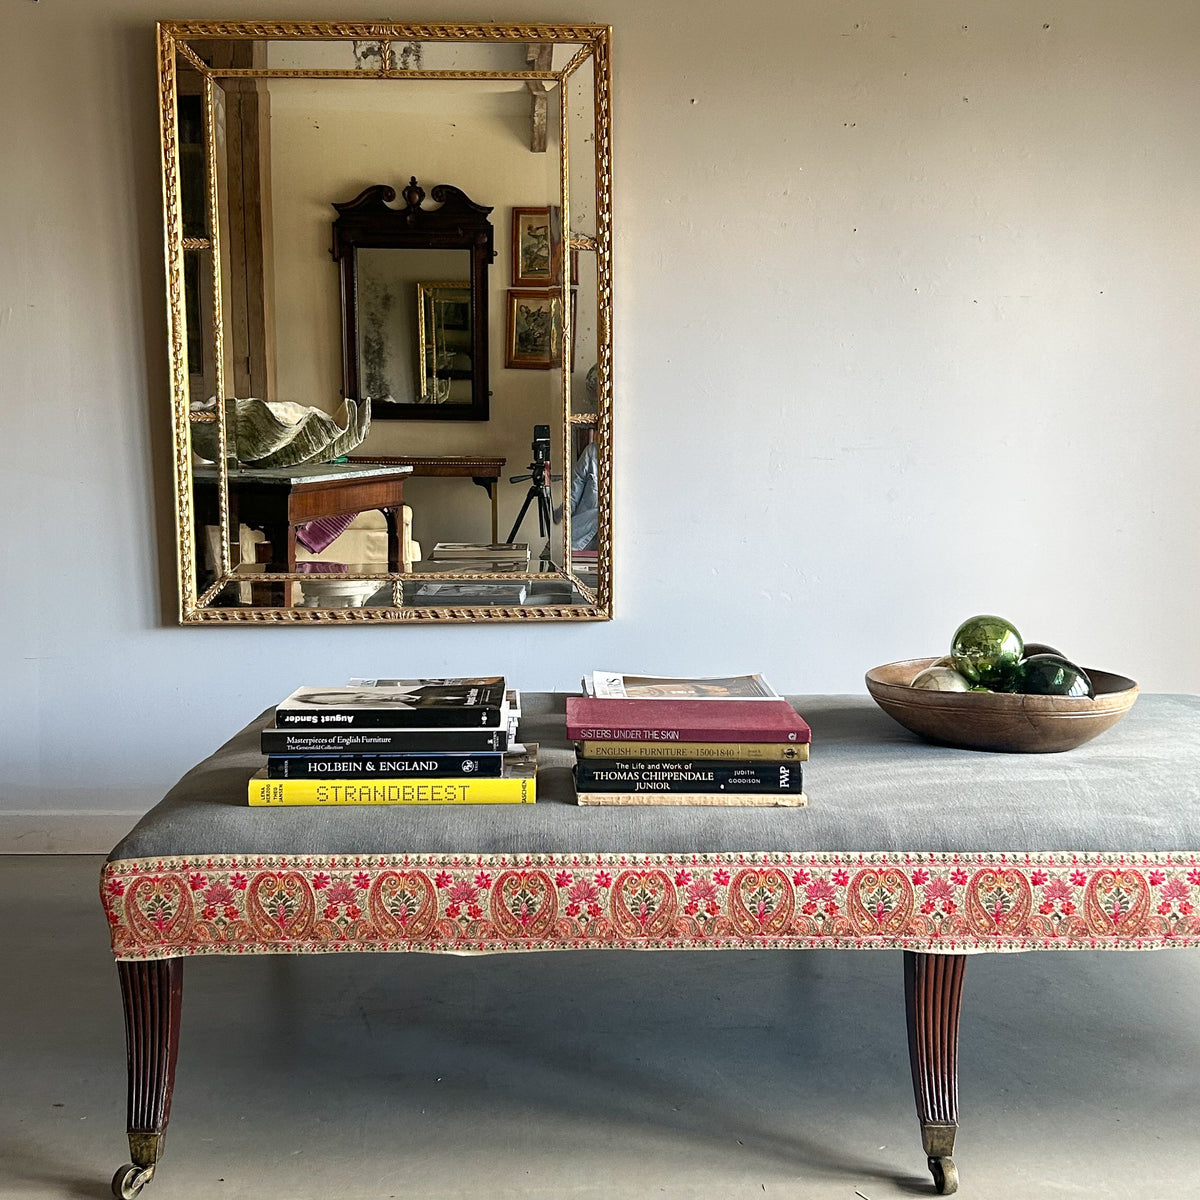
<point x="940" y="853"/>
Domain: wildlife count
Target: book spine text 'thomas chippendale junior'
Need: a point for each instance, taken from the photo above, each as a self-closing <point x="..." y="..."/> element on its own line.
<point x="618" y="775"/>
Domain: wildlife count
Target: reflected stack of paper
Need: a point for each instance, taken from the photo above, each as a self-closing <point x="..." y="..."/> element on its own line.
<point x="470" y="560"/>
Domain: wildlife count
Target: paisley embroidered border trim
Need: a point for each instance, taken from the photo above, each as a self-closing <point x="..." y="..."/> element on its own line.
<point x="938" y="903"/>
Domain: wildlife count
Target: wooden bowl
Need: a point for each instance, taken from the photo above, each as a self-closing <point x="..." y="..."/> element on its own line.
<point x="1000" y="720"/>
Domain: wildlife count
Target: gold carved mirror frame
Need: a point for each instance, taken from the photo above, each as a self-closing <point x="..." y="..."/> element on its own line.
<point x="211" y="73"/>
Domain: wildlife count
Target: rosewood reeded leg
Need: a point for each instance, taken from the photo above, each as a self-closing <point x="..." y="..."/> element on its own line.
<point x="152" y="993"/>
<point x="932" y="996"/>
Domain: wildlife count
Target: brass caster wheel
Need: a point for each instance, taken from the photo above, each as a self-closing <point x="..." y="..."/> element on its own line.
<point x="129" y="1181"/>
<point x="945" y="1175"/>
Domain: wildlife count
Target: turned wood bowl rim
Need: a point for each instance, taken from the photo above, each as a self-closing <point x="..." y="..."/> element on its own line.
<point x="1113" y="694"/>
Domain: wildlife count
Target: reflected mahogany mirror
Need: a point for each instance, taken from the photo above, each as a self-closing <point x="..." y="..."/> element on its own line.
<point x="389" y="291"/>
<point x="390" y="258"/>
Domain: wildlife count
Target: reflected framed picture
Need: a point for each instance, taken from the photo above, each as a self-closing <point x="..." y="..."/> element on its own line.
<point x="536" y="246"/>
<point x="533" y="331"/>
<point x="444" y="339"/>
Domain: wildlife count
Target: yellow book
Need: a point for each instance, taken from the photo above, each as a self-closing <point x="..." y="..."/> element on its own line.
<point x="728" y="751"/>
<point x="517" y="785"/>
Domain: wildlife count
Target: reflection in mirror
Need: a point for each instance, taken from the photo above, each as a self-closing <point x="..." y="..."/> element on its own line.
<point x="265" y="125"/>
<point x="444" y="325"/>
<point x="382" y="252"/>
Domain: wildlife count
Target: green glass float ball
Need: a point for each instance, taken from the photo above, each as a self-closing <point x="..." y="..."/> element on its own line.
<point x="986" y="649"/>
<point x="1053" y="675"/>
<point x="941" y="679"/>
<point x="1032" y="648"/>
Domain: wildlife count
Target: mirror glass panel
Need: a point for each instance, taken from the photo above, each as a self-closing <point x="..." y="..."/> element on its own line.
<point x="301" y="494"/>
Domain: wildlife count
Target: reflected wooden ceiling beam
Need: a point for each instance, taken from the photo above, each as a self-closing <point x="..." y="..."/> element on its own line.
<point x="538" y="55"/>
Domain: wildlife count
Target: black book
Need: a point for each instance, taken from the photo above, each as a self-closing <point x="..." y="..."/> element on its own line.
<point x="406" y="704"/>
<point x="700" y="775"/>
<point x="385" y="766"/>
<point x="275" y="740"/>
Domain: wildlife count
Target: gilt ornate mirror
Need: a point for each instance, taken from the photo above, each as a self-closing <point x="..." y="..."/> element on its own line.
<point x="389" y="290"/>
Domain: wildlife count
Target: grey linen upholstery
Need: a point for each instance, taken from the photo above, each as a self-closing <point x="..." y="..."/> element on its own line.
<point x="872" y="786"/>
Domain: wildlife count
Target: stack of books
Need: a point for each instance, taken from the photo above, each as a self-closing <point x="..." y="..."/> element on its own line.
<point x="648" y="740"/>
<point x="397" y="741"/>
<point x="480" y="556"/>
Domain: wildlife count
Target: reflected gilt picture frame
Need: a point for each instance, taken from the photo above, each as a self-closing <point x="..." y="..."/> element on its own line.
<point x="536" y="246"/>
<point x="533" y="330"/>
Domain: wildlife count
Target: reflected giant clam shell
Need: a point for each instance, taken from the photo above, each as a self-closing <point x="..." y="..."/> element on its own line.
<point x="268" y="433"/>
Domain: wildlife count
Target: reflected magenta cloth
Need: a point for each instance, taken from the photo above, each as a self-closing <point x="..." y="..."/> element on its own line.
<point x="318" y="535"/>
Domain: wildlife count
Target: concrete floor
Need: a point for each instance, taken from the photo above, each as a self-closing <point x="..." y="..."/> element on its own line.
<point x="617" y="1075"/>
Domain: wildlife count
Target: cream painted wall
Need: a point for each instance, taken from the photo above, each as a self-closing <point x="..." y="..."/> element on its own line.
<point x="906" y="329"/>
<point x="328" y="143"/>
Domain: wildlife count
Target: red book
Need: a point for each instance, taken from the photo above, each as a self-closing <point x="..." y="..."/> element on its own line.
<point x="606" y="720"/>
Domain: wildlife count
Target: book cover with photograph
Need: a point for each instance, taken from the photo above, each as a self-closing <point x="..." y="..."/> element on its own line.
<point x="409" y="703"/>
<point x="613" y="685"/>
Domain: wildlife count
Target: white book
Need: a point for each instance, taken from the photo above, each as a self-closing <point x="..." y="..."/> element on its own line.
<point x="614" y="685"/>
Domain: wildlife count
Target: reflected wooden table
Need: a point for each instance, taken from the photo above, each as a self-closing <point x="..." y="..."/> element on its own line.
<point x="485" y="471"/>
<point x="279" y="499"/>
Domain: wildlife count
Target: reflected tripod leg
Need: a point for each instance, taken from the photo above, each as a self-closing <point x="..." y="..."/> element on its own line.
<point x="932" y="1002"/>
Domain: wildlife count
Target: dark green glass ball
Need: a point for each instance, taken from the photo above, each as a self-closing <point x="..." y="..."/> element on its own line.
<point x="1032" y="648"/>
<point x="1052" y="675"/>
<point x="986" y="649"/>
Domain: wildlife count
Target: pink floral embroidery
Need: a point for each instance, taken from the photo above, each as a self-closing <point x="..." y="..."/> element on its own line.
<point x="938" y="889"/>
<point x="219" y="893"/>
<point x="267" y="904"/>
